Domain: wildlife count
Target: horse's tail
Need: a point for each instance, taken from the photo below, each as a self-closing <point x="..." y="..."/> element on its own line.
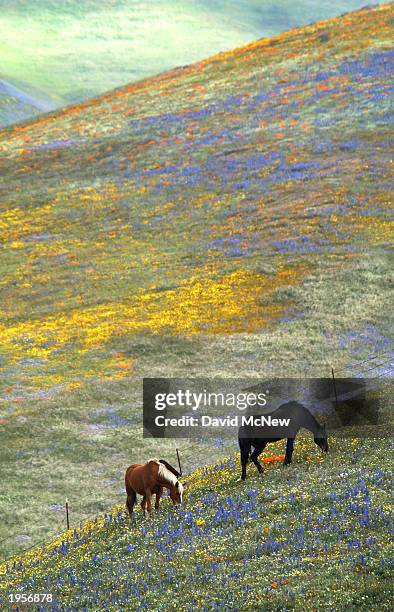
<point x="128" y="474"/>
<point x="130" y="501"/>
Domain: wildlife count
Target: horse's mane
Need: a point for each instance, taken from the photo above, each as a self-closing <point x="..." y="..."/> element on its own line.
<point x="170" y="467"/>
<point x="164" y="472"/>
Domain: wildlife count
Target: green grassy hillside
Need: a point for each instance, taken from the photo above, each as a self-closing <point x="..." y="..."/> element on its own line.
<point x="17" y="105"/>
<point x="75" y="50"/>
<point x="314" y="536"/>
<point x="231" y="218"/>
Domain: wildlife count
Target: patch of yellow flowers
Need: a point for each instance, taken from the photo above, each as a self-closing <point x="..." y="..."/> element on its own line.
<point x="224" y="304"/>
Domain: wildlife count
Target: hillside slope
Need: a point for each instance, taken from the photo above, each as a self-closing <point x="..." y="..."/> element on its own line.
<point x="17" y="105"/>
<point x="236" y="176"/>
<point x="230" y="218"/>
<point x="315" y="536"/>
<point x="81" y="49"/>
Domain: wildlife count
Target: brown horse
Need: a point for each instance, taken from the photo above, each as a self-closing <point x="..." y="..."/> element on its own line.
<point x="148" y="479"/>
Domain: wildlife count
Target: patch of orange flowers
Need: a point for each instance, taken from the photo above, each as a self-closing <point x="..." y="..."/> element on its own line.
<point x="273" y="458"/>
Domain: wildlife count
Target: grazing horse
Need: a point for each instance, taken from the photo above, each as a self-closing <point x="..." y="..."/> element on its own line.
<point x="151" y="478"/>
<point x="259" y="436"/>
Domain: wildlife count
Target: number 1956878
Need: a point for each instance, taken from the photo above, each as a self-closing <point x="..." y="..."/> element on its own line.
<point x="30" y="598"/>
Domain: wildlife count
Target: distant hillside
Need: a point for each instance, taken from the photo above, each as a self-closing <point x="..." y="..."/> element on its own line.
<point x="75" y="50"/>
<point x="229" y="218"/>
<point x="17" y="105"/>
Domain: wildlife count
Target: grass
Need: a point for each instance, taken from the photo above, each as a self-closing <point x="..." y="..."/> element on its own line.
<point x="77" y="443"/>
<point x="312" y="536"/>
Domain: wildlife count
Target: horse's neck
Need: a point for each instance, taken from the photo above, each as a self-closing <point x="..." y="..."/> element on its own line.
<point x="170" y="468"/>
<point x="165" y="484"/>
<point x="310" y="422"/>
<point x="167" y="478"/>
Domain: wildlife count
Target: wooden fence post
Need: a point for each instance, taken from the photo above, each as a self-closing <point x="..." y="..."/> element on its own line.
<point x="179" y="462"/>
<point x="67" y="517"/>
<point x="335" y="387"/>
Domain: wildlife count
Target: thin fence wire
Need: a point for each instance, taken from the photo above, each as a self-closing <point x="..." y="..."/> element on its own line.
<point x="384" y="363"/>
<point x="370" y="357"/>
<point x="42" y="543"/>
<point x="355" y="365"/>
<point x="385" y="373"/>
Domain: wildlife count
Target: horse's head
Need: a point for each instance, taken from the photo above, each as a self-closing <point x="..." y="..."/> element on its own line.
<point x="321" y="439"/>
<point x="176" y="492"/>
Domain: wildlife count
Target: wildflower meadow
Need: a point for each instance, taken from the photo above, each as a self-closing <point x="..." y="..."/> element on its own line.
<point x="312" y="536"/>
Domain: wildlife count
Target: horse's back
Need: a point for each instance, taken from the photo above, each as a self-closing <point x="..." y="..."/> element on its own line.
<point x="259" y="435"/>
<point x="140" y="476"/>
<point x="133" y="467"/>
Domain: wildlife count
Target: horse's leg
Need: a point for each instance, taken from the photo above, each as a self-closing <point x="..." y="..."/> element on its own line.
<point x="158" y="496"/>
<point x="255" y="456"/>
<point x="244" y="445"/>
<point x="131" y="498"/>
<point x="149" y="501"/>
<point x="143" y="504"/>
<point x="289" y="451"/>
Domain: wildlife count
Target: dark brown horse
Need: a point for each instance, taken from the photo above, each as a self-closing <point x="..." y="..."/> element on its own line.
<point x="297" y="416"/>
<point x="151" y="478"/>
